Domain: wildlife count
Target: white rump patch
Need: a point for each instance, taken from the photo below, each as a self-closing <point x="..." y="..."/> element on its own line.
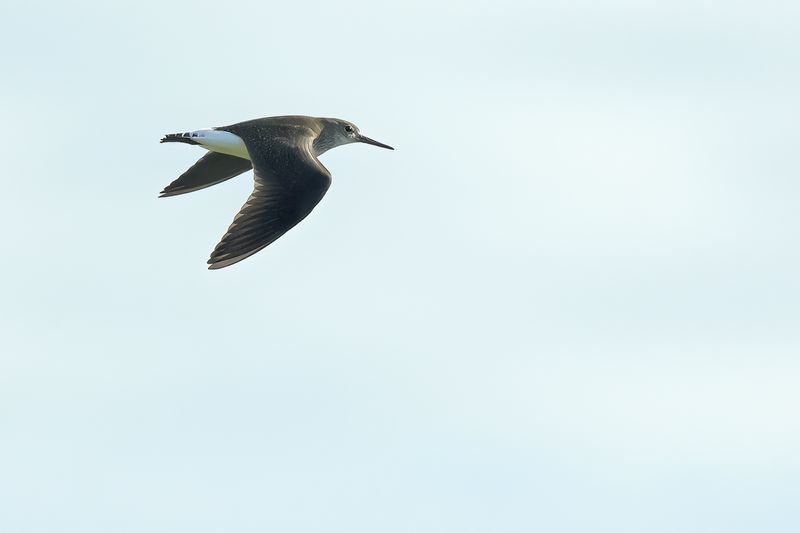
<point x="223" y="142"/>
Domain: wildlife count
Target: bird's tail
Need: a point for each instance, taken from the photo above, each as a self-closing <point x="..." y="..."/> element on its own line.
<point x="179" y="138"/>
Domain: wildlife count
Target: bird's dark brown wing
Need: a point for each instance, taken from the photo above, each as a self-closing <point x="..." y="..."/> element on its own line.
<point x="289" y="182"/>
<point x="211" y="169"/>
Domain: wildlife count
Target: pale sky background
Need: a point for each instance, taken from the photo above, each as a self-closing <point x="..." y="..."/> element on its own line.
<point x="568" y="301"/>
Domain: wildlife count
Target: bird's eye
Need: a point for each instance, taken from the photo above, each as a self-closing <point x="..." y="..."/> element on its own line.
<point x="348" y="128"/>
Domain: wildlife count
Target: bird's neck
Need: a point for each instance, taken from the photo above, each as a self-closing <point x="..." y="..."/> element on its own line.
<point x="327" y="137"/>
<point x="323" y="143"/>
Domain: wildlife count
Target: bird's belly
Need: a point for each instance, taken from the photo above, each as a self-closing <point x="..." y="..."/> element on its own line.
<point x="223" y="142"/>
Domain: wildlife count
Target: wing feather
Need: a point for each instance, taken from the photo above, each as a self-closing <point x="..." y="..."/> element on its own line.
<point x="209" y="170"/>
<point x="289" y="182"/>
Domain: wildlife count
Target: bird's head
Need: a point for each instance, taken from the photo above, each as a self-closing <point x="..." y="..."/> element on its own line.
<point x="336" y="132"/>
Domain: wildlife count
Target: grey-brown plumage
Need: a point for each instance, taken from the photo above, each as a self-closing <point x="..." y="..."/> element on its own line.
<point x="289" y="179"/>
<point x="211" y="169"/>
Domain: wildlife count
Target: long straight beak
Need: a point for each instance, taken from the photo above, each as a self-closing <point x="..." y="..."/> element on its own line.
<point x="364" y="139"/>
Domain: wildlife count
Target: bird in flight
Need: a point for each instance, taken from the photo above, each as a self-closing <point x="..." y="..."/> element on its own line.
<point x="289" y="179"/>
